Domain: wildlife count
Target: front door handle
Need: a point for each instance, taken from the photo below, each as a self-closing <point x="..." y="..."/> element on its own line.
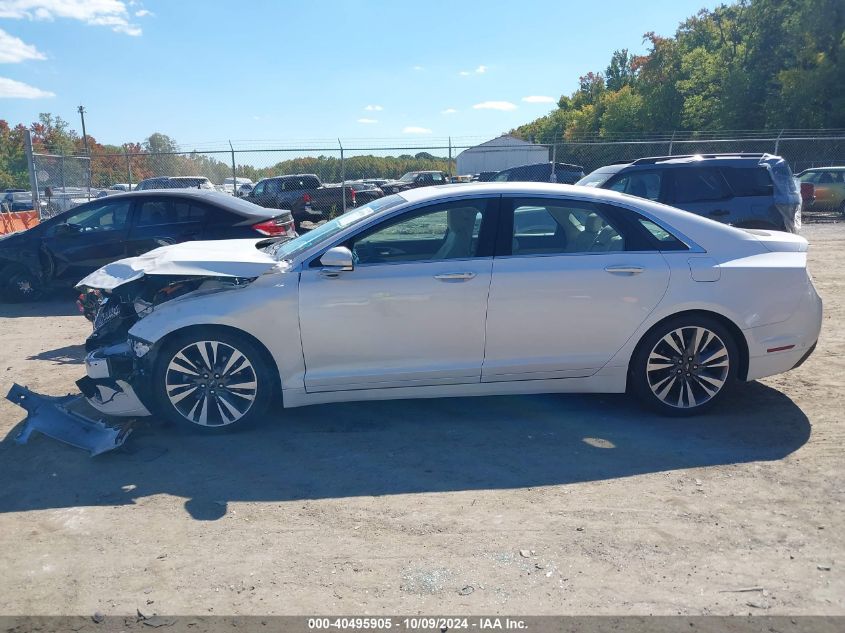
<point x="719" y="212"/>
<point x="624" y="270"/>
<point x="454" y="276"/>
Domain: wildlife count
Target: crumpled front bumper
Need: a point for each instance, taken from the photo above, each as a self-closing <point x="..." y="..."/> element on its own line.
<point x="106" y="386"/>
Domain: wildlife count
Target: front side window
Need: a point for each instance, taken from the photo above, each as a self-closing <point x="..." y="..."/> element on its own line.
<point x="446" y="231"/>
<point x="643" y="184"/>
<point x="258" y="190"/>
<point x="553" y="226"/>
<point x="103" y="217"/>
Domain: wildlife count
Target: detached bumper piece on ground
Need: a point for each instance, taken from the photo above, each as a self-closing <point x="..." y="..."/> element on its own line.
<point x="69" y="419"/>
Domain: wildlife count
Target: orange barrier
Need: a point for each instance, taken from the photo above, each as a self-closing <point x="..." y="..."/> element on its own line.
<point x="11" y="221"/>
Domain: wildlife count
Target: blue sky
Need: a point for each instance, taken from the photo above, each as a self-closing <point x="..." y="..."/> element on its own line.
<point x="205" y="72"/>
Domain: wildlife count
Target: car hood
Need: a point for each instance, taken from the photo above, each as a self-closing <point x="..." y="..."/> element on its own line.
<point x="219" y="258"/>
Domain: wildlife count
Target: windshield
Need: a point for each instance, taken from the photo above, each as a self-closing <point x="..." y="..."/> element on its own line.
<point x="294" y="247"/>
<point x="595" y="179"/>
<point x="409" y="177"/>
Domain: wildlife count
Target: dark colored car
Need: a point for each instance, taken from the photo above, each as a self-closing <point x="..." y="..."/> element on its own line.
<point x="307" y="197"/>
<point x="17" y="201"/>
<point x="564" y="173"/>
<point x="485" y="176"/>
<point x="414" y="179"/>
<point x="65" y="248"/>
<point x="752" y="191"/>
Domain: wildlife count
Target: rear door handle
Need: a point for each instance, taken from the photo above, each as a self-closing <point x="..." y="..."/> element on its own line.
<point x="454" y="276"/>
<point x="625" y="270"/>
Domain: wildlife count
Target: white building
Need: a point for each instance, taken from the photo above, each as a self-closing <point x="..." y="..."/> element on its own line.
<point x="500" y="153"/>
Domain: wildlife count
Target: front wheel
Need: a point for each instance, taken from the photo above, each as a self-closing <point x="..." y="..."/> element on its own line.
<point x="212" y="380"/>
<point x="20" y="285"/>
<point x="685" y="365"/>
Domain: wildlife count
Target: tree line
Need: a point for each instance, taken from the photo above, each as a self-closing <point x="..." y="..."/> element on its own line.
<point x="752" y="65"/>
<point x="159" y="155"/>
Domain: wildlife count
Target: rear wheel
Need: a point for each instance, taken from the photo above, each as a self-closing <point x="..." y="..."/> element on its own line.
<point x="685" y="365"/>
<point x="20" y="285"/>
<point x="212" y="380"/>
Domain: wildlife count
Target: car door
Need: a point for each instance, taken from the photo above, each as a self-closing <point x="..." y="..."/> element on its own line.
<point x="412" y="311"/>
<point x="160" y="220"/>
<point x="572" y="281"/>
<point x="259" y="194"/>
<point x="89" y="237"/>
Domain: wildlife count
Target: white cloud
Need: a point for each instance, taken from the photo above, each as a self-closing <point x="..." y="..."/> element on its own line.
<point x="11" y="89"/>
<point x="367" y="121"/>
<point x="374" y="108"/>
<point x="448" y="111"/>
<point x="505" y="106"/>
<point x="111" y="13"/>
<point x="478" y="71"/>
<point x="412" y="129"/>
<point x="142" y="13"/>
<point x="14" y="50"/>
<point x="538" y="99"/>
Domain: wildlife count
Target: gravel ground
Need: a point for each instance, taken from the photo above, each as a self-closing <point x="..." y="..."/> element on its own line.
<point x="526" y="505"/>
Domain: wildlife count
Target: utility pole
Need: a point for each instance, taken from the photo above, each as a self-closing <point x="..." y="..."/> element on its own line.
<point x="81" y="110"/>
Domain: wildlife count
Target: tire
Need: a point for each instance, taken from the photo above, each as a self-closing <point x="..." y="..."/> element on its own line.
<point x="669" y="382"/>
<point x="20" y="285"/>
<point x="206" y="400"/>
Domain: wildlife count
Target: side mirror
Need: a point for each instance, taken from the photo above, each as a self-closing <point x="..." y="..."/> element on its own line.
<point x="337" y="260"/>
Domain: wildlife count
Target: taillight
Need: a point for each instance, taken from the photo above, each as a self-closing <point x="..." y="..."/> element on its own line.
<point x="352" y="191"/>
<point x="275" y="227"/>
<point x="306" y="198"/>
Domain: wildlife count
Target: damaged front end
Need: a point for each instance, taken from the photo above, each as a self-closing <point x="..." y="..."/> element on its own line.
<point x="117" y="387"/>
<point x="117" y="366"/>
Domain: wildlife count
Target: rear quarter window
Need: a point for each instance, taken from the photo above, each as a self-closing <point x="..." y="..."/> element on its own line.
<point x="748" y="181"/>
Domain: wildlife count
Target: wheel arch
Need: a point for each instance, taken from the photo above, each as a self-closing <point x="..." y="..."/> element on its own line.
<point x="188" y="329"/>
<point x="733" y="328"/>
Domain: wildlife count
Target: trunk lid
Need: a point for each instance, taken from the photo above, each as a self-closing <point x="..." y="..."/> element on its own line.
<point x="780" y="241"/>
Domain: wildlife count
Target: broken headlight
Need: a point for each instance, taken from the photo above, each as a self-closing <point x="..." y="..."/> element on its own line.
<point x="138" y="346"/>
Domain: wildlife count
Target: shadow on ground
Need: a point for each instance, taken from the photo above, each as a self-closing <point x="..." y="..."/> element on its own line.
<point x="62" y="302"/>
<point x="395" y="447"/>
<point x="67" y="355"/>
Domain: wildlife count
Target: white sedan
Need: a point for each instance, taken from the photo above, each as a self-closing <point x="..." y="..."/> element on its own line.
<point x="458" y="290"/>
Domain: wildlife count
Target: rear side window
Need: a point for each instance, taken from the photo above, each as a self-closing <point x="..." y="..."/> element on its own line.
<point x="154" y="212"/>
<point x="643" y="184"/>
<point x="748" y="181"/>
<point x="545" y="226"/>
<point x="699" y="184"/>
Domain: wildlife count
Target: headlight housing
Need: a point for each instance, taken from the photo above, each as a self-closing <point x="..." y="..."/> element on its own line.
<point x="138" y="346"/>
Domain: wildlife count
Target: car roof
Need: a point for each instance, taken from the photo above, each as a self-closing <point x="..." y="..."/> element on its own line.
<point x="691" y="159"/>
<point x="238" y="206"/>
<point x="824" y="169"/>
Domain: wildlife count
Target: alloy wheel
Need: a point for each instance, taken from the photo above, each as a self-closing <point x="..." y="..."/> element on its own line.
<point x="688" y="367"/>
<point x="211" y="383"/>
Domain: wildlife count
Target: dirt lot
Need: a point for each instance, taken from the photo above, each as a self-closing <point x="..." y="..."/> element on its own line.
<point x="528" y="505"/>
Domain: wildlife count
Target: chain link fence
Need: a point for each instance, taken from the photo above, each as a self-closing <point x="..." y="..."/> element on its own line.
<point x="62" y="182"/>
